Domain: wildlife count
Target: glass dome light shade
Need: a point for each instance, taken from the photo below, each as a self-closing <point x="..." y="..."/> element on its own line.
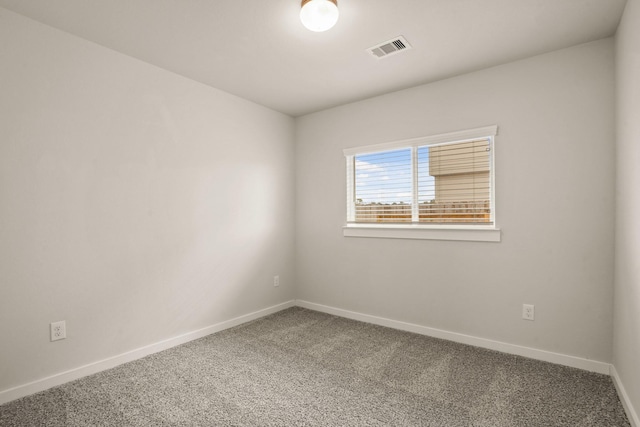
<point x="319" y="15"/>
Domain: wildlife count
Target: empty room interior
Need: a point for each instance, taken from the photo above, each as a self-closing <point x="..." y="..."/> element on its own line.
<point x="222" y="213"/>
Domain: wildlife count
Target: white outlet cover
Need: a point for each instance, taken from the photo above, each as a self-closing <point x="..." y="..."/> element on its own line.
<point x="528" y="312"/>
<point x="58" y="330"/>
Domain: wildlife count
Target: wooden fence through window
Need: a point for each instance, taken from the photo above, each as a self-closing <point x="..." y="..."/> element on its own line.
<point x="435" y="212"/>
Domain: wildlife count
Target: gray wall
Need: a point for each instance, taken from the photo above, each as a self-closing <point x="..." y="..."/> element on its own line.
<point x="135" y="204"/>
<point x="555" y="206"/>
<point x="627" y="267"/>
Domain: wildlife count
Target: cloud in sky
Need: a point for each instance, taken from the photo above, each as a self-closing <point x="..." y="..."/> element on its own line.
<point x="381" y="179"/>
<point x="386" y="177"/>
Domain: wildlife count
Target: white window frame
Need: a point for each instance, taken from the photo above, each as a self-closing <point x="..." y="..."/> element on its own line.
<point x="465" y="232"/>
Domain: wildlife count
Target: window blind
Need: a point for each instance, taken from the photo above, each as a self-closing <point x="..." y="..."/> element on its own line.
<point x="454" y="182"/>
<point x="448" y="182"/>
<point x="383" y="183"/>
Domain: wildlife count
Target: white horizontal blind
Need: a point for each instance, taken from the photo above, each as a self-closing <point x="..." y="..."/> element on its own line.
<point x="383" y="183"/>
<point x="433" y="181"/>
<point x="454" y="184"/>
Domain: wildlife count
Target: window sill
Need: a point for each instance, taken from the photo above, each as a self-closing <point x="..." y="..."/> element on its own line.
<point x="388" y="231"/>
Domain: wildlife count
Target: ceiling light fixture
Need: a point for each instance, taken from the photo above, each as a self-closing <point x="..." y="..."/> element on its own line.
<point x="319" y="15"/>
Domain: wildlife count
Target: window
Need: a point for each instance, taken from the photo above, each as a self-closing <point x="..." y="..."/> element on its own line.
<point x="440" y="183"/>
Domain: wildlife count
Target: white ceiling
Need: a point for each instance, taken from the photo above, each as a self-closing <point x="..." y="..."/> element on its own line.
<point x="259" y="50"/>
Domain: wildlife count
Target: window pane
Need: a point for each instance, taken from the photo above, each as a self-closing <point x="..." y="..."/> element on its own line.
<point x="454" y="182"/>
<point x="383" y="186"/>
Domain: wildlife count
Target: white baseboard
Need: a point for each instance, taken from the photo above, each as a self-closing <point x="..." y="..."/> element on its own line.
<point x="532" y="353"/>
<point x="101" y="365"/>
<point x="95" y="367"/>
<point x="624" y="398"/>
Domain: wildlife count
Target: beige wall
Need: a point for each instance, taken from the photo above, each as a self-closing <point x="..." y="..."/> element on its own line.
<point x="626" y="350"/>
<point x="463" y="187"/>
<point x="461" y="171"/>
<point x="560" y="259"/>
<point x="135" y="204"/>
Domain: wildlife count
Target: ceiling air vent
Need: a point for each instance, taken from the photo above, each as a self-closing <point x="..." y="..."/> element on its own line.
<point x="389" y="47"/>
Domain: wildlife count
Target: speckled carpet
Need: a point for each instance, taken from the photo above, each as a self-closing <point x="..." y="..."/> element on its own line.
<point x="303" y="368"/>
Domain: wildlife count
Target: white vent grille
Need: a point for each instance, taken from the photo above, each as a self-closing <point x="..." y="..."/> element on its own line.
<point x="389" y="47"/>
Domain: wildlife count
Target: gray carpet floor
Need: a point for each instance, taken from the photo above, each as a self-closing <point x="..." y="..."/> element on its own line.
<point x="303" y="368"/>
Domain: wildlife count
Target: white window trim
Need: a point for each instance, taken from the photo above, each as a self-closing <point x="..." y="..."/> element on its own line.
<point x="412" y="231"/>
<point x="425" y="140"/>
<point x="474" y="233"/>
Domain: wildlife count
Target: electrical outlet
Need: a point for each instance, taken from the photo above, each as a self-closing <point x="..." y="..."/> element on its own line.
<point x="528" y="312"/>
<point x="58" y="330"/>
<point x="276" y="280"/>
